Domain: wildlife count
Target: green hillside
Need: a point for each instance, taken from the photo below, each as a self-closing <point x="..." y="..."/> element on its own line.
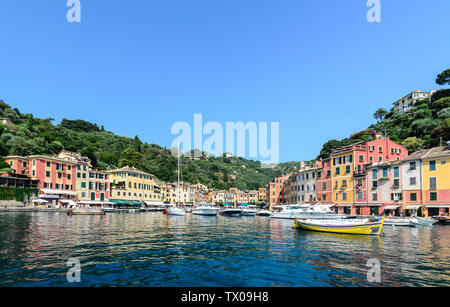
<point x="426" y="125"/>
<point x="30" y="135"/>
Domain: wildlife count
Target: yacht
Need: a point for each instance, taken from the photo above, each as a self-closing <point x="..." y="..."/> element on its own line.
<point x="249" y="211"/>
<point x="205" y="210"/>
<point x="307" y="212"/>
<point x="174" y="210"/>
<point x="231" y="212"/>
<point x="264" y="213"/>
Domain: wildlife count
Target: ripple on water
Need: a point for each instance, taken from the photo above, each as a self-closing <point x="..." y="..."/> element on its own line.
<point x="151" y="249"/>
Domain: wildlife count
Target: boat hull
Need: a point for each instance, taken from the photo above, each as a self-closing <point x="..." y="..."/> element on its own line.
<point x="373" y="228"/>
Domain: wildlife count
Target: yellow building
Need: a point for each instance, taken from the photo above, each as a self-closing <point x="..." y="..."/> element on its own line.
<point x="436" y="180"/>
<point x="133" y="185"/>
<point x="262" y="195"/>
<point x="342" y="178"/>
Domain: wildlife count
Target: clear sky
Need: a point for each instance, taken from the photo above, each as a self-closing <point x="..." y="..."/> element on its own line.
<point x="317" y="67"/>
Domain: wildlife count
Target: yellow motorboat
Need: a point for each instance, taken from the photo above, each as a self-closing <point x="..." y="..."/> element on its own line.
<point x="354" y="226"/>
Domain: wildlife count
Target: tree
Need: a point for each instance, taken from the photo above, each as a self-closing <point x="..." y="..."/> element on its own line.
<point x="413" y="144"/>
<point x="444" y="77"/>
<point x="380" y="114"/>
<point x="443" y="131"/>
<point x="130" y="157"/>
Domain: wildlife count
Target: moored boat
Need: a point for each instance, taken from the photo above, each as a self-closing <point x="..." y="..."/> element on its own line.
<point x="263" y="213"/>
<point x="424" y="221"/>
<point x="443" y="220"/>
<point x="231" y="212"/>
<point x="401" y="221"/>
<point x="174" y="211"/>
<point x="249" y="211"/>
<point x="205" y="210"/>
<point x="307" y="212"/>
<point x="90" y="211"/>
<point x="347" y="226"/>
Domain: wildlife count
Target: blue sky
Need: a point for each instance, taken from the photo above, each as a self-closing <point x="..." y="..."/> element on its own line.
<point x="317" y="67"/>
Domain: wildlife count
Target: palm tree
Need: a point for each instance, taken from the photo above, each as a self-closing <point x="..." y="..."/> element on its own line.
<point x="380" y="114"/>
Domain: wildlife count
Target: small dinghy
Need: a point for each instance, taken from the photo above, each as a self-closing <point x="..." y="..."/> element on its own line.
<point x="347" y="226"/>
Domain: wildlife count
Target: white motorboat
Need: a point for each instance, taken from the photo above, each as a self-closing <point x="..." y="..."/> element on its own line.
<point x="205" y="210"/>
<point x="425" y="222"/>
<point x="401" y="221"/>
<point x="264" y="213"/>
<point x="174" y="211"/>
<point x="307" y="212"/>
<point x="249" y="211"/>
<point x="231" y="212"/>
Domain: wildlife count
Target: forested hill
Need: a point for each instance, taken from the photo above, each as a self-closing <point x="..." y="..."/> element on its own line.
<point x="424" y="126"/>
<point x="30" y="135"/>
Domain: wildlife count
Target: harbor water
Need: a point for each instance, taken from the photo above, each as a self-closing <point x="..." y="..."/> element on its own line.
<point x="152" y="249"/>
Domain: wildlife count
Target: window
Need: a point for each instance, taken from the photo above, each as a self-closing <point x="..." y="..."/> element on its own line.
<point x="396" y="172"/>
<point x="380" y="159"/>
<point x="48" y="164"/>
<point x="385" y="172"/>
<point x="361" y="158"/>
<point x="83" y="185"/>
<point x="432" y="165"/>
<point x="47" y="174"/>
<point x="380" y="149"/>
<point x="344" y="196"/>
<point x="360" y="195"/>
<point x="412" y="181"/>
<point x="347" y="169"/>
<point x="413" y="196"/>
<point x="324" y="185"/>
<point x="344" y="183"/>
<point x="396" y="183"/>
<point x="374" y="174"/>
<point x="433" y="196"/>
<point x="374" y="185"/>
<point x="338" y="170"/>
<point x="433" y="183"/>
<point x="59" y="175"/>
<point x="412" y="166"/>
<point x="324" y="197"/>
<point x="371" y="159"/>
<point x="375" y="197"/>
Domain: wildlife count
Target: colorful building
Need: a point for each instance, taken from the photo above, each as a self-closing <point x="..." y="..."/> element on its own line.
<point x="436" y="181"/>
<point x="384" y="189"/>
<point x="132" y="186"/>
<point x="276" y="191"/>
<point x="56" y="177"/>
<point x="324" y="182"/>
<point x="349" y="171"/>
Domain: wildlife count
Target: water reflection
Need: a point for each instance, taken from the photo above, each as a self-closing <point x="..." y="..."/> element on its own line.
<point x="151" y="249"/>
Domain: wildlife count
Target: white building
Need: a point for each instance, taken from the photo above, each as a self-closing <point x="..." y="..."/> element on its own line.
<point x="406" y="103"/>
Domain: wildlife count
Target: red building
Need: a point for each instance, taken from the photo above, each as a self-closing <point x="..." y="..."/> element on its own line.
<point x="276" y="194"/>
<point x="324" y="183"/>
<point x="56" y="176"/>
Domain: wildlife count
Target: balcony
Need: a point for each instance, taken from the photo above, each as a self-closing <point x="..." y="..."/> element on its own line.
<point x="361" y="173"/>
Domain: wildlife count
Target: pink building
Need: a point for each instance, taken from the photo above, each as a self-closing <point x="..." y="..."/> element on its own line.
<point x="56" y="176"/>
<point x="384" y="189"/>
<point x="323" y="182"/>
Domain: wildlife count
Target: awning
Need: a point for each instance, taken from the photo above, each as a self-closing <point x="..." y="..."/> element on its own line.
<point x="368" y="205"/>
<point x="228" y="204"/>
<point x="438" y="206"/>
<point x="68" y="201"/>
<point x="58" y="192"/>
<point x="413" y="207"/>
<point x="95" y="202"/>
<point x="391" y="207"/>
<point x="344" y="205"/>
<point x="153" y="203"/>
